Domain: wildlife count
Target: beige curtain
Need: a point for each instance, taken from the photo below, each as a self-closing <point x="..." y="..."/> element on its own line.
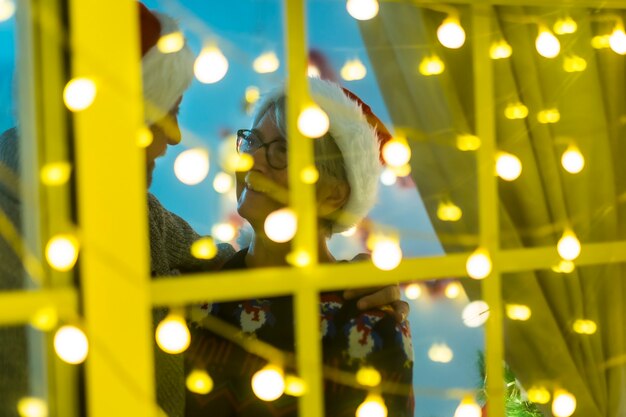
<point x="535" y="208"/>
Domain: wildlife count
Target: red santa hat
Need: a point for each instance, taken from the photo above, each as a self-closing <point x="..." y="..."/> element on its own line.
<point x="166" y="76"/>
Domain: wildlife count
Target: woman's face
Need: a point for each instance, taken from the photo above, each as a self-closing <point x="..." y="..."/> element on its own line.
<point x="263" y="189"/>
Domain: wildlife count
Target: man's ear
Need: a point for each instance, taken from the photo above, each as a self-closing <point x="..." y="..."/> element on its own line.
<point x="332" y="195"/>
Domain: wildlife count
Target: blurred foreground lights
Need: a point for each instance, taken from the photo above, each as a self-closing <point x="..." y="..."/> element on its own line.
<point x="581" y="326"/>
<point x="574" y="63"/>
<point x="453" y="290"/>
<point x="32" y="406"/>
<point x="572" y="160"/>
<point x="223" y="231"/>
<point x="144" y="137"/>
<point x="199" y="382"/>
<point x="448" y="212"/>
<point x="564" y="403"/>
<point x="309" y="175"/>
<point x="172" y="334"/>
<point x="362" y="9"/>
<point x="269" y="383"/>
<point x="170" y="43"/>
<point x="373" y="406"/>
<point x="368" y="377"/>
<point x="299" y="258"/>
<point x="62" y="252"/>
<point x="223" y="182"/>
<point x="468" y="408"/>
<point x="467" y="142"/>
<point x="7" y="9"/>
<point x="402" y="170"/>
<point x="549" y="116"/>
<point x="386" y="254"/>
<point x="396" y="152"/>
<point x="617" y="41"/>
<point x="45" y="319"/>
<point x="565" y="26"/>
<point x="568" y="246"/>
<point x="294" y="386"/>
<point x="539" y="395"/>
<point x="431" y="66"/>
<point x="313" y="122"/>
<point x="353" y="70"/>
<point x="547" y="44"/>
<point x="515" y="111"/>
<point x="192" y="166"/>
<point x="70" y="344"/>
<point x="601" y="41"/>
<point x="266" y="63"/>
<point x="388" y="177"/>
<point x="518" y="312"/>
<point x="313" y="72"/>
<point x="564" y="267"/>
<point x="234" y="162"/>
<point x="475" y="314"/>
<point x="210" y="66"/>
<point x="281" y="225"/>
<point x="56" y="173"/>
<point x="478" y="265"/>
<point x="350" y="232"/>
<point x="451" y="34"/>
<point x="413" y="291"/>
<point x="440" y="352"/>
<point x="508" y="166"/>
<point x="500" y="50"/>
<point x="252" y="94"/>
<point x="204" y="248"/>
<point x="79" y="93"/>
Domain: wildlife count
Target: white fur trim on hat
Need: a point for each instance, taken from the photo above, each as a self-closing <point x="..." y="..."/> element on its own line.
<point x="165" y="76"/>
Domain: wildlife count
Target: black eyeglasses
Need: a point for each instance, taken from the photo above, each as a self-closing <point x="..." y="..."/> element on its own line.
<point x="275" y="150"/>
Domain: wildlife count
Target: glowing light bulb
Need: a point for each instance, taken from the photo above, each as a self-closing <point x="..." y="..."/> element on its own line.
<point x="467" y="142"/>
<point x="549" y="116"/>
<point x="56" y="173"/>
<point x="518" y="312"/>
<point x="413" y="291"/>
<point x="386" y="254"/>
<point x="440" y="352"/>
<point x="601" y="41"/>
<point x="453" y="290"/>
<point x="547" y="44"/>
<point x="45" y="319"/>
<point x="572" y="160"/>
<point x="252" y="94"/>
<point x="62" y="252"/>
<point x="71" y="345"/>
<point x="294" y="386"/>
<point x="223" y="231"/>
<point x="568" y="246"/>
<point x="368" y="376"/>
<point x="448" y="211"/>
<point x="170" y="43"/>
<point x="281" y="225"/>
<point x="451" y="34"/>
<point x="564" y="403"/>
<point x="300" y="258"/>
<point x="309" y="175"/>
<point x="144" y="137"/>
<point x="373" y="406"/>
<point x="431" y="66"/>
<point x="564" y="267"/>
<point x="172" y="334"/>
<point x="204" y="248"/>
<point x="353" y="70"/>
<point x="192" y="166"/>
<point x="574" y="63"/>
<point x="388" y="177"/>
<point x="478" y="265"/>
<point x="515" y="111"/>
<point x="617" y="40"/>
<point x="32" y="406"/>
<point x="268" y="384"/>
<point x="199" y="381"/>
<point x="475" y="314"/>
<point x="79" y="94"/>
<point x="266" y="63"/>
<point x="210" y="66"/>
<point x="313" y="122"/>
<point x="362" y="9"/>
<point x="350" y="232"/>
<point x="468" y="408"/>
<point x="582" y="326"/>
<point x="508" y="166"/>
<point x="500" y="50"/>
<point x="396" y="152"/>
<point x="539" y="395"/>
<point x="565" y="26"/>
<point x="313" y="72"/>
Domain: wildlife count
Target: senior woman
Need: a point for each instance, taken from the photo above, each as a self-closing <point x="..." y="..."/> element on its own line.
<point x="347" y="159"/>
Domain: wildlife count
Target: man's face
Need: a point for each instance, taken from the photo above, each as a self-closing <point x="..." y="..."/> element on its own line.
<point x="164" y="132"/>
